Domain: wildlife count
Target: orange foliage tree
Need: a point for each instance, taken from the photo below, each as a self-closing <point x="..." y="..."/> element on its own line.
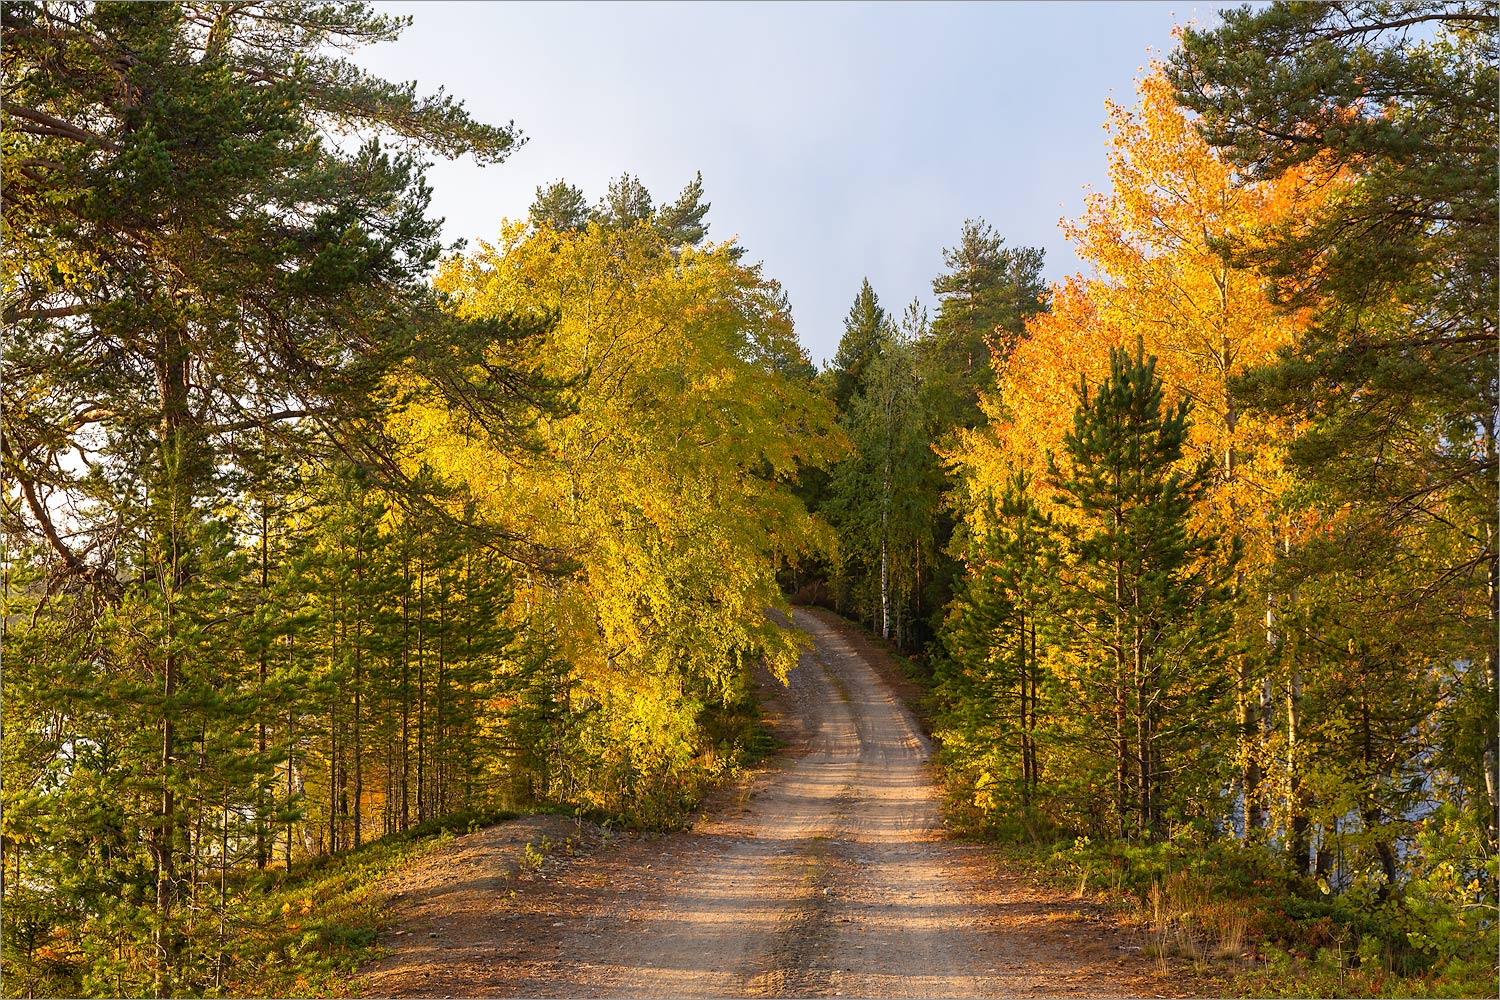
<point x="1156" y="243"/>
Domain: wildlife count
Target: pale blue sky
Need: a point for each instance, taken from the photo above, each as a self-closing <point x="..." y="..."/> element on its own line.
<point x="837" y="140"/>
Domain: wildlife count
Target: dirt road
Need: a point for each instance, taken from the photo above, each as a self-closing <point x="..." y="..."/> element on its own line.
<point x="828" y="877"/>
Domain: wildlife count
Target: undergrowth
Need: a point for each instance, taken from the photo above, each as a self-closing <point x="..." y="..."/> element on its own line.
<point x="301" y="932"/>
<point x="319" y="922"/>
<point x="1242" y="916"/>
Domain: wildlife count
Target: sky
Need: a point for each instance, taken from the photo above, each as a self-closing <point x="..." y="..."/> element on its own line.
<point x="837" y="141"/>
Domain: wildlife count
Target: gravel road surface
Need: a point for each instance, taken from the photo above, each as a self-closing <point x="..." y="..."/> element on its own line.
<point x="827" y="875"/>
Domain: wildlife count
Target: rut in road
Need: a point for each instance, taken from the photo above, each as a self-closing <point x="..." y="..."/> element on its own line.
<point x="832" y="880"/>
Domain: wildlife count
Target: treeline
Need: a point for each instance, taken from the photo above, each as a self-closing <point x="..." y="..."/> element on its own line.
<point x="1225" y="510"/>
<point x="902" y="386"/>
<point x="303" y="549"/>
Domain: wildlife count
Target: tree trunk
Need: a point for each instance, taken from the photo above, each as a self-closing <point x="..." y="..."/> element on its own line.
<point x="291" y="746"/>
<point x="1022" y="710"/>
<point x="421" y="690"/>
<point x="359" y="772"/>
<point x="441" y="708"/>
<point x="1326" y="834"/>
<point x="405" y="688"/>
<point x="165" y="831"/>
<point x="885" y="570"/>
<point x="333" y="785"/>
<point x="1370" y="811"/>
<point x="262" y="844"/>
<point x="1122" y="775"/>
<point x="1298" y="841"/>
<point x="1036" y="765"/>
<point x="175" y="492"/>
<point x="1249" y="725"/>
<point x="1142" y="735"/>
<point x="1491" y="755"/>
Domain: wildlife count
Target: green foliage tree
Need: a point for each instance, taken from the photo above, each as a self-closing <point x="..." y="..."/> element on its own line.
<point x="882" y="496"/>
<point x="626" y="203"/>
<point x="1144" y="595"/>
<point x="200" y="281"/>
<point x="1396" y="376"/>
<point x="992" y="679"/>
<point x="984" y="299"/>
<point x="562" y="208"/>
<point x="682" y="220"/>
<point x="559" y="206"/>
<point x="860" y="344"/>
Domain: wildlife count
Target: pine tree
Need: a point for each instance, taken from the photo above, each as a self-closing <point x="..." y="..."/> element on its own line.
<point x="1145" y="588"/>
<point x="986" y="297"/>
<point x="559" y="206"/>
<point x="682" y="220"/>
<point x="984" y="300"/>
<point x="199" y="276"/>
<point x="858" y="347"/>
<point x="626" y="203"/>
<point x="881" y="501"/>
<point x="993" y="643"/>
<point x="1396" y="377"/>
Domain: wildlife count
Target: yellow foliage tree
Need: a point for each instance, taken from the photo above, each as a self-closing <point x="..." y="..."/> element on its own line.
<point x="664" y="486"/>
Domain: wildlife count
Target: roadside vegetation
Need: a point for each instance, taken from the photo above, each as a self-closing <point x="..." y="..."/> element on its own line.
<point x="1244" y="920"/>
<point x="310" y="928"/>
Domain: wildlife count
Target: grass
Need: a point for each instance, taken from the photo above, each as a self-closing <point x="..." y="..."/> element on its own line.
<point x="1236" y="918"/>
<point x="303" y="932"/>
<point x="318" y="923"/>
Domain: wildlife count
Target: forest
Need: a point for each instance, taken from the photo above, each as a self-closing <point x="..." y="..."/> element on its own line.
<point x="318" y="531"/>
